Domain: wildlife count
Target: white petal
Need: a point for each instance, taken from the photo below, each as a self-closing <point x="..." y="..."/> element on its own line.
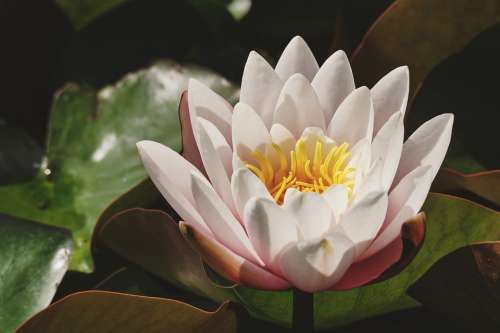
<point x="260" y="87"/>
<point x="171" y="174"/>
<point x="426" y="146"/>
<point x="372" y="182"/>
<point x="297" y="58"/>
<point x="317" y="265"/>
<point x="405" y="202"/>
<point x="337" y="197"/>
<point x="333" y="83"/>
<point x="270" y="229"/>
<point x="360" y="161"/>
<point x="362" y="221"/>
<point x="249" y="132"/>
<point x="390" y="95"/>
<point x="220" y="220"/>
<point x="312" y="212"/>
<point x="353" y="120"/>
<point x="216" y="155"/>
<point x="205" y="103"/>
<point x="298" y="106"/>
<point x="283" y="137"/>
<point x="246" y="185"/>
<point x="387" y="146"/>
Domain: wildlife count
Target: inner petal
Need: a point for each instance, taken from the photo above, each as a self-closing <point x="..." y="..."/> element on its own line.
<point x="313" y="165"/>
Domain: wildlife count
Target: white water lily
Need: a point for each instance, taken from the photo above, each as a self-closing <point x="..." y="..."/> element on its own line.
<point x="306" y="182"/>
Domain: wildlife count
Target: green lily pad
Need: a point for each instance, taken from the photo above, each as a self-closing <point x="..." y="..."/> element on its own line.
<point x="33" y="260"/>
<point x="101" y="311"/>
<point x="91" y="158"/>
<point x="451" y="224"/>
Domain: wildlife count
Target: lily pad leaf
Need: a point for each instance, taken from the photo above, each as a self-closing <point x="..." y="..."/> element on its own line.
<point x="472" y="292"/>
<point x="33" y="260"/>
<point x="411" y="32"/>
<point x="451" y="223"/>
<point x="101" y="311"/>
<point x="91" y="158"/>
<point x="152" y="240"/>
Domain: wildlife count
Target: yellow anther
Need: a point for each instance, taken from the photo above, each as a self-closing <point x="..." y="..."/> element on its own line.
<point x="304" y="172"/>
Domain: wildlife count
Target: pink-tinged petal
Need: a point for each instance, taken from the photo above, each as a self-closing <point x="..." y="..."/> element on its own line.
<point x="353" y="120"/>
<point x="317" y="265"/>
<point x="171" y="174"/>
<point x="189" y="148"/>
<point x="298" y="106"/>
<point x="405" y="200"/>
<point x="260" y="87"/>
<point x="390" y="95"/>
<point x="337" y="197"/>
<point x="333" y="83"/>
<point x="362" y="272"/>
<point x="389" y="261"/>
<point x="387" y="146"/>
<point x="363" y="220"/>
<point x="426" y="146"/>
<point x="249" y="132"/>
<point x="205" y="103"/>
<point x="246" y="185"/>
<point x="216" y="155"/>
<point x="228" y="264"/>
<point x="297" y="58"/>
<point x="225" y="227"/>
<point x="312" y="212"/>
<point x="270" y="229"/>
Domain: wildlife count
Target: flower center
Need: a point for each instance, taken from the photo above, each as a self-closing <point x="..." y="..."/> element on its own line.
<point x="303" y="172"/>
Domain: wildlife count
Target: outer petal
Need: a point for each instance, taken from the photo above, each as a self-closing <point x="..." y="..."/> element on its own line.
<point x="333" y="83"/>
<point x="426" y="146"/>
<point x="363" y="220"/>
<point x="312" y="212"/>
<point x="362" y="272"/>
<point x="353" y="120"/>
<point x="298" y="106"/>
<point x="317" y="265"/>
<point x="229" y="264"/>
<point x="224" y="226"/>
<point x="260" y="87"/>
<point x="373" y="267"/>
<point x="405" y="201"/>
<point x="249" y="132"/>
<point x="337" y="197"/>
<point x="387" y="146"/>
<point x="171" y="175"/>
<point x="246" y="185"/>
<point x="390" y="95"/>
<point x="205" y="103"/>
<point x="270" y="229"/>
<point x="189" y="148"/>
<point x="297" y="58"/>
<point x="216" y="155"/>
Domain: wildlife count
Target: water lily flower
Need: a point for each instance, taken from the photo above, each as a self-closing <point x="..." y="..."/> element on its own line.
<point x="306" y="182"/>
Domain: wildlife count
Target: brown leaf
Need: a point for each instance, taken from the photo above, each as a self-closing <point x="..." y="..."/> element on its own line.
<point x="420" y="34"/>
<point x="101" y="311"/>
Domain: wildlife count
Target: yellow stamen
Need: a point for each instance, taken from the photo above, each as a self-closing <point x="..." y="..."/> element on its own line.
<point x="303" y="172"/>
